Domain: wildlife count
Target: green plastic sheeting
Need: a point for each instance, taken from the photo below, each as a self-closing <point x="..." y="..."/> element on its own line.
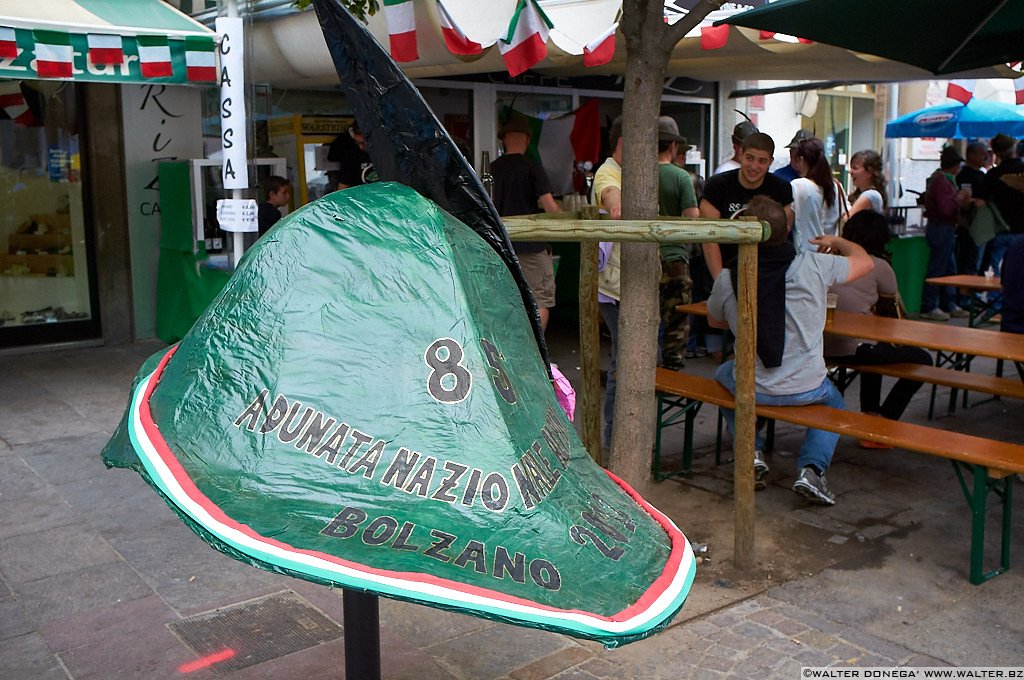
<point x="364" y="406"/>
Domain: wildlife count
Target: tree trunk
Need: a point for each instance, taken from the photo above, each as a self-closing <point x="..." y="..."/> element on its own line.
<point x="634" y="419"/>
<point x="649" y="43"/>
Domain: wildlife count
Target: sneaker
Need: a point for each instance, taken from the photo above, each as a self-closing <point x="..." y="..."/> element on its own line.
<point x="935" y="315"/>
<point x="761" y="470"/>
<point x="813" y="487"/>
<point x="959" y="312"/>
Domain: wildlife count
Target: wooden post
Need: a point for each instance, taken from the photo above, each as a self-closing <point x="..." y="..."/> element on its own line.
<point x="589" y="411"/>
<point x="743" y="442"/>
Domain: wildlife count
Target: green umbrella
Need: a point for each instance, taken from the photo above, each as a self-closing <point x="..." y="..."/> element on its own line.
<point x="941" y="36"/>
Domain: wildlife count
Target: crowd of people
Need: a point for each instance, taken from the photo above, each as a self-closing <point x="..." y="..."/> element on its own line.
<point x="813" y="221"/>
<point x="822" y="241"/>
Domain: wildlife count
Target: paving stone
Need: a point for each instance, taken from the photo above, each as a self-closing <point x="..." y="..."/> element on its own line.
<point x="119" y="621"/>
<point x="41" y="415"/>
<point x="428" y="626"/>
<point x="496" y="651"/>
<point x="39" y="509"/>
<point x="30" y="557"/>
<point x="102" y="585"/>
<point x="27" y="657"/>
<point x="13" y="621"/>
<point x="544" y="668"/>
<point x="186" y="571"/>
<point x="149" y="651"/>
<point x="62" y="460"/>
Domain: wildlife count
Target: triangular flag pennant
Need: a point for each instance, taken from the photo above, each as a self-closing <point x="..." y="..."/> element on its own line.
<point x="13" y="104"/>
<point x="454" y="38"/>
<point x="765" y="35"/>
<point x="1018" y="90"/>
<point x="200" y="59"/>
<point x="53" y="54"/>
<point x="105" y="49"/>
<point x="960" y="90"/>
<point x="401" y="18"/>
<point x="155" y="56"/>
<point x="714" y="37"/>
<point x="526" y="42"/>
<point x="8" y="43"/>
<point x="585" y="137"/>
<point x="601" y="49"/>
<point x="805" y="41"/>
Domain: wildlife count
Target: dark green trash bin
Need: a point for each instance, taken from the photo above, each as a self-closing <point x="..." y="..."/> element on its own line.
<point x="910" y="261"/>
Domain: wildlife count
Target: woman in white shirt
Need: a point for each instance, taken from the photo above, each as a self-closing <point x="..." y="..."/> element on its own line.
<point x="868" y="181"/>
<point x="815" y="195"/>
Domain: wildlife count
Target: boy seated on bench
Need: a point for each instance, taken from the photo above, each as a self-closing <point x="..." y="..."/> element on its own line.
<point x="789" y="368"/>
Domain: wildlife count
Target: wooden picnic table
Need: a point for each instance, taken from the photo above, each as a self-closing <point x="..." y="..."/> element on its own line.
<point x="944" y="338"/>
<point x="985" y="291"/>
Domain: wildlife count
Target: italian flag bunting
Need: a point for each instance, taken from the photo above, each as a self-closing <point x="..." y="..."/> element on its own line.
<point x="601" y="49"/>
<point x="401" y="18"/>
<point x="526" y="42"/>
<point x="961" y="90"/>
<point x="53" y="54"/>
<point x="13" y="104"/>
<point x="714" y="37"/>
<point x="105" y="49"/>
<point x="8" y="43"/>
<point x="1018" y="90"/>
<point x="454" y="38"/>
<point x="200" y="59"/>
<point x="155" y="56"/>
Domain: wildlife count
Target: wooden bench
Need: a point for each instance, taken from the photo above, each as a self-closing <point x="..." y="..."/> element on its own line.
<point x="936" y="375"/>
<point x="990" y="463"/>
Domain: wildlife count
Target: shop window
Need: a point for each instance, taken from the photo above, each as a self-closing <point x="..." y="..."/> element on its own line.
<point x="45" y="292"/>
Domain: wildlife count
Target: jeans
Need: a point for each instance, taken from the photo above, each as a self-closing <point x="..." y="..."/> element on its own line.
<point x="941" y="262"/>
<point x="871" y="383"/>
<point x="818" y="445"/>
<point x="610" y="314"/>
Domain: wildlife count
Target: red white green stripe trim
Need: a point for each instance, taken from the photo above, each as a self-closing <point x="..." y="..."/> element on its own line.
<point x="401" y="19"/>
<point x="155" y="56"/>
<point x="105" y="49"/>
<point x="53" y="54"/>
<point x="661" y="601"/>
<point x="526" y="42"/>
<point x="8" y="43"/>
<point x="200" y="59"/>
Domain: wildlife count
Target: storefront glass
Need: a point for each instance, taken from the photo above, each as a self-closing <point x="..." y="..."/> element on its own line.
<point x="45" y="279"/>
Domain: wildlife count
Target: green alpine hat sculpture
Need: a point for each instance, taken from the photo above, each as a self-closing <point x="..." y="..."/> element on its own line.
<point x="364" y="406"/>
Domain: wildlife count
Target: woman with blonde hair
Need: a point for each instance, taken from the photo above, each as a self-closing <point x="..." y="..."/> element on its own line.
<point x="869" y="183"/>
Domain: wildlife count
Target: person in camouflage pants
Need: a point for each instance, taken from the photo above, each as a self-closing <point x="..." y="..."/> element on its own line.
<point x="675" y="287"/>
<point x="676" y="198"/>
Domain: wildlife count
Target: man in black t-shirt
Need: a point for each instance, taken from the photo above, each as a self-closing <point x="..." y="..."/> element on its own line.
<point x="520" y="185"/>
<point x="968" y="254"/>
<point x="349" y="150"/>
<point x="728" y="192"/>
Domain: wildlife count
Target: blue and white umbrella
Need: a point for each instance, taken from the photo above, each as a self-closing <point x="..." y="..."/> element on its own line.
<point x="976" y="119"/>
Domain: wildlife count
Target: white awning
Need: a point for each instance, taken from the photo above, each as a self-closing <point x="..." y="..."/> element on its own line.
<point x="289" y="52"/>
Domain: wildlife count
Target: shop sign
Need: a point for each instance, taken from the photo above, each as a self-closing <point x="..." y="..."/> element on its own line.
<point x="237" y="214"/>
<point x="131" y="69"/>
<point x="235" y="169"/>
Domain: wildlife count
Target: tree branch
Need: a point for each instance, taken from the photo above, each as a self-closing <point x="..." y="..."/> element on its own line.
<point x="677" y="31"/>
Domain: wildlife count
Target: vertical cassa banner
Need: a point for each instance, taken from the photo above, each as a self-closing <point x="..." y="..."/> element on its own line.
<point x="235" y="170"/>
